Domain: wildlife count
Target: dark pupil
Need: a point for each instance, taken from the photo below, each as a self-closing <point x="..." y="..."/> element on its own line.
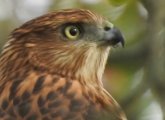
<point x="73" y="31"/>
<point x="107" y="28"/>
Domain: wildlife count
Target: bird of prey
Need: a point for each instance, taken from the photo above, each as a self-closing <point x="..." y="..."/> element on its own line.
<point x="51" y="68"/>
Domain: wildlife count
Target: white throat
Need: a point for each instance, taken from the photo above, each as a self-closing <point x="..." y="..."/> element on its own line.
<point x="92" y="70"/>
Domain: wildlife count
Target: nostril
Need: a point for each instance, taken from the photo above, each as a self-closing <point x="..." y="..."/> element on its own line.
<point x="107" y="28"/>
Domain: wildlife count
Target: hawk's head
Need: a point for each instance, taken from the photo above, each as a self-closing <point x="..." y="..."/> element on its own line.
<point x="72" y="42"/>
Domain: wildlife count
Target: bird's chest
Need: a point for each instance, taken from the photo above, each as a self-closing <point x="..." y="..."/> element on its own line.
<point x="48" y="98"/>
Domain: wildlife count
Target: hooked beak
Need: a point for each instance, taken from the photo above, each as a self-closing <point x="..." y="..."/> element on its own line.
<point x="113" y="36"/>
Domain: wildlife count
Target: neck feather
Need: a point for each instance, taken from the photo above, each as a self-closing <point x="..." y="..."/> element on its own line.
<point x="94" y="64"/>
<point x="85" y="63"/>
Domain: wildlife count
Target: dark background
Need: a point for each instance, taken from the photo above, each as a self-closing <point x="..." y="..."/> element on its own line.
<point x="135" y="75"/>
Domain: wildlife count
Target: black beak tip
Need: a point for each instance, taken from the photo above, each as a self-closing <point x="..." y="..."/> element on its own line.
<point x="118" y="37"/>
<point x="122" y="41"/>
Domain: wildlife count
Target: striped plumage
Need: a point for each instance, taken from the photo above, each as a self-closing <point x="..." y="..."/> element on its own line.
<point x="46" y="76"/>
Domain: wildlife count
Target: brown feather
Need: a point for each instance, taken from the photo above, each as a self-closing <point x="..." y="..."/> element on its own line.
<point x="43" y="77"/>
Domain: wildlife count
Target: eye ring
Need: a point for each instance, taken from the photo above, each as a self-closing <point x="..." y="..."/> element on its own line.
<point x="72" y="32"/>
<point x="108" y="26"/>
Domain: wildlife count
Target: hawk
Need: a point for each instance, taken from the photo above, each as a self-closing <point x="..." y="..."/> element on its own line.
<point x="51" y="68"/>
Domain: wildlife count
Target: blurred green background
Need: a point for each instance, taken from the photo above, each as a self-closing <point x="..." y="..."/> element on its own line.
<point x="135" y="75"/>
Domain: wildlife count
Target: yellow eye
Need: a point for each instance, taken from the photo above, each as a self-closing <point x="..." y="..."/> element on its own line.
<point x="108" y="26"/>
<point x="72" y="32"/>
